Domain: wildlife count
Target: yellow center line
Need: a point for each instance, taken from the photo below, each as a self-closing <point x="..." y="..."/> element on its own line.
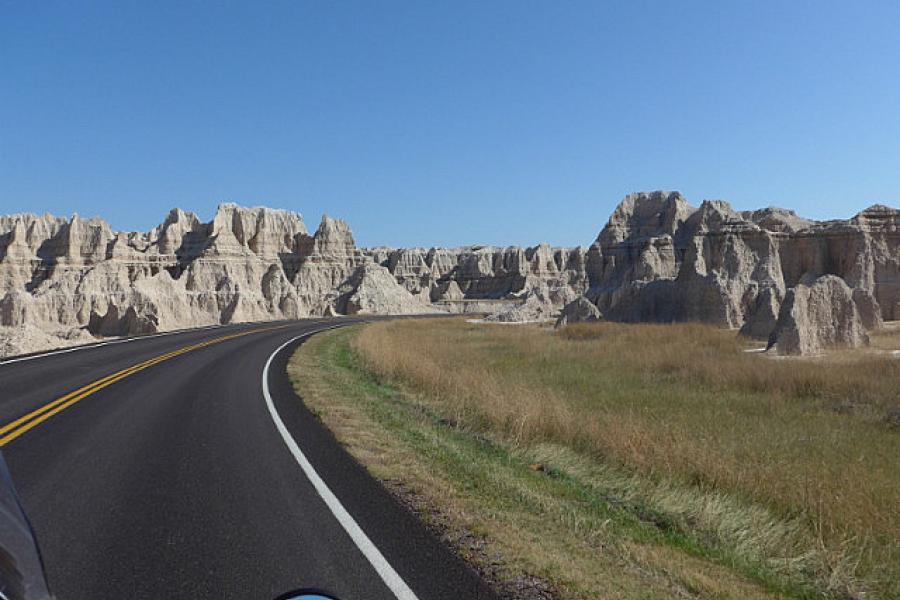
<point x="19" y="426"/>
<point x="48" y="406"/>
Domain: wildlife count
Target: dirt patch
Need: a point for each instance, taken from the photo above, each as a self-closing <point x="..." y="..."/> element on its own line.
<point x="474" y="549"/>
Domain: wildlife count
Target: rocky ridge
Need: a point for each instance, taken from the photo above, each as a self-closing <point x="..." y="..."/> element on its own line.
<point x="661" y="259"/>
<point x="657" y="259"/>
<point x="74" y="278"/>
<point x="486" y="272"/>
<point x="818" y="313"/>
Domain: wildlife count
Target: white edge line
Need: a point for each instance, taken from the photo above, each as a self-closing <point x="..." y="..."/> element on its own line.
<point x="387" y="573"/>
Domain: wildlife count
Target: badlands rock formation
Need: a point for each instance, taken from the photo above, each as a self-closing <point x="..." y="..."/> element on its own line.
<point x="660" y="259"/>
<point x="657" y="259"/>
<point x="818" y="313"/>
<point x="534" y="306"/>
<point x="452" y="277"/>
<point x="580" y="310"/>
<point x="71" y="278"/>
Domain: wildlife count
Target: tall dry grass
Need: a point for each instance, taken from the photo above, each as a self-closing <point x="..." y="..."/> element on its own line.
<point x="806" y="438"/>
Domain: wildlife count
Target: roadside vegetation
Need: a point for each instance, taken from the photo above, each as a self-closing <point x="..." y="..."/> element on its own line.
<point x="628" y="461"/>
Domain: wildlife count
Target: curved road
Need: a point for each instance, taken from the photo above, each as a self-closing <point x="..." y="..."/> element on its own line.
<point x="155" y="469"/>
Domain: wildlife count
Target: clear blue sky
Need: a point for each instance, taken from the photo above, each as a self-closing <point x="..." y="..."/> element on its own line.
<point x="426" y="123"/>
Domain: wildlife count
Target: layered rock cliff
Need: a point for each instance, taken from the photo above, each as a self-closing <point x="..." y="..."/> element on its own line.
<point x="73" y="277"/>
<point x="487" y="273"/>
<point x="657" y="259"/>
<point x="660" y="259"/>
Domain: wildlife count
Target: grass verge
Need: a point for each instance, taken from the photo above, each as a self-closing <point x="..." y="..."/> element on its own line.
<point x="528" y="507"/>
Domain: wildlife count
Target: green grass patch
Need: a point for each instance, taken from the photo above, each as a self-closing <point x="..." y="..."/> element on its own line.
<point x="592" y="528"/>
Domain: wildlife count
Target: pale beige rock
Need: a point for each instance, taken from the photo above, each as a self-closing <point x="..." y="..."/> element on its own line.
<point x="410" y="268"/>
<point x="247" y="264"/>
<point x="128" y="321"/>
<point x="777" y="219"/>
<point x="657" y="259"/>
<point x="442" y="261"/>
<point x="761" y="316"/>
<point x="870" y="313"/>
<point x="181" y="231"/>
<point x="818" y="314"/>
<point x="371" y="289"/>
<point x="447" y="290"/>
<point x="536" y="306"/>
<point x="468" y="279"/>
<point x="15" y="309"/>
<point x="580" y="310"/>
<point x="28" y="338"/>
<point x="329" y="259"/>
<point x="380" y="255"/>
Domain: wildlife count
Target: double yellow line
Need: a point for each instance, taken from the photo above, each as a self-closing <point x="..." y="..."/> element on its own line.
<point x="14" y="429"/>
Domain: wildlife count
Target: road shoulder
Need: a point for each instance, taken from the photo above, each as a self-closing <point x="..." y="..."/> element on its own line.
<point x="426" y="565"/>
<point x="533" y="532"/>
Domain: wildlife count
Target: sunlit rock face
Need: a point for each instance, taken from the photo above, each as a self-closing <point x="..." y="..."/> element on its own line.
<point x="660" y="259"/>
<point x="580" y="310"/>
<point x="487" y="273"/>
<point x="657" y="259"/>
<point x="71" y="278"/>
<point x="818" y="313"/>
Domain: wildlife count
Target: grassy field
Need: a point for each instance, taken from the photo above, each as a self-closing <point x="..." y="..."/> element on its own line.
<point x="630" y="460"/>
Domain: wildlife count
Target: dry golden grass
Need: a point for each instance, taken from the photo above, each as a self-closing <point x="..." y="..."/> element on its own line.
<point x="509" y="519"/>
<point x="809" y="439"/>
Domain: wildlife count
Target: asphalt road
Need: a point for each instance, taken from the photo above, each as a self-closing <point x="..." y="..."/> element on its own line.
<point x="173" y="481"/>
